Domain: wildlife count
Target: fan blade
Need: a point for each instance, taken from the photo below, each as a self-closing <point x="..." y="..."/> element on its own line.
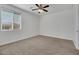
<point x="37" y="5"/>
<point x="45" y="10"/>
<point x="46" y="6"/>
<point x="34" y="9"/>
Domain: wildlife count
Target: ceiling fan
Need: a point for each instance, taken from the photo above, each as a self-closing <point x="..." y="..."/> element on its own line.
<point x="41" y="8"/>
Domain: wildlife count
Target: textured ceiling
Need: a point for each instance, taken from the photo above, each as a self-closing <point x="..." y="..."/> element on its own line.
<point x="52" y="9"/>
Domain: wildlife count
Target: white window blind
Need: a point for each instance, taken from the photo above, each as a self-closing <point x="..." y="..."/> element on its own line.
<point x="17" y="21"/>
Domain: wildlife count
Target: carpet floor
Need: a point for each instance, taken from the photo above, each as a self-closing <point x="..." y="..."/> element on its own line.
<point x="40" y="45"/>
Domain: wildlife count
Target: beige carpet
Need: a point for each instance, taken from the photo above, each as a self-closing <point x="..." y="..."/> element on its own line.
<point x="40" y="45"/>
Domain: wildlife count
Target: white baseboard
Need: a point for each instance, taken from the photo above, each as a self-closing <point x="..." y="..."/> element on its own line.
<point x="4" y="43"/>
<point x="56" y="37"/>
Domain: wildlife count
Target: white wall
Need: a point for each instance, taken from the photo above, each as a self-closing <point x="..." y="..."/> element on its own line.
<point x="60" y="25"/>
<point x="30" y="27"/>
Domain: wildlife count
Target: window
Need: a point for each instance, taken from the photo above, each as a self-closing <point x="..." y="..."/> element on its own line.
<point x="10" y="21"/>
<point x="17" y="21"/>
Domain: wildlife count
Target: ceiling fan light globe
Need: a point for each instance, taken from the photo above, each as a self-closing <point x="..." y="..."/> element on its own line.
<point x="40" y="10"/>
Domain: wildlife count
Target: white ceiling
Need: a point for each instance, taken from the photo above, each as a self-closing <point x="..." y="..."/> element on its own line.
<point x="52" y="9"/>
